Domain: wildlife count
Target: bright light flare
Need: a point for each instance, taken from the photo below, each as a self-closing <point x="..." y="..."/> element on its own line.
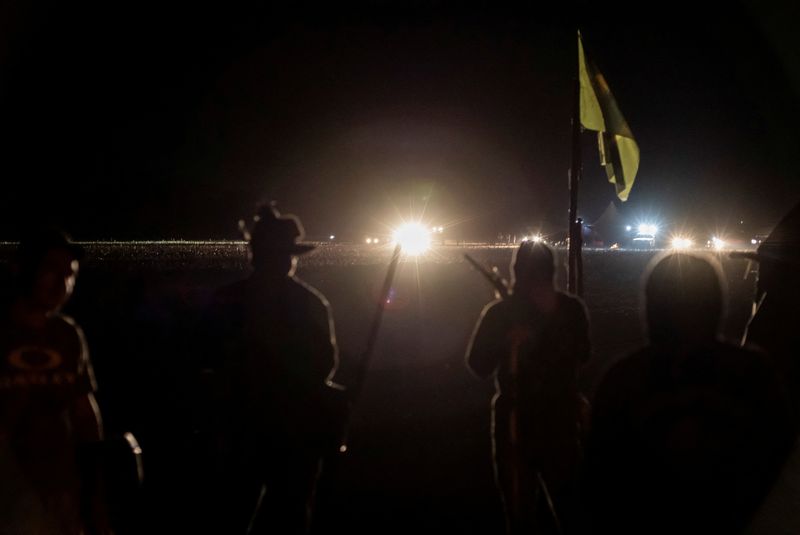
<point x="682" y="242"/>
<point x="414" y="238"/>
<point x="536" y="239"/>
<point x="718" y="243"/>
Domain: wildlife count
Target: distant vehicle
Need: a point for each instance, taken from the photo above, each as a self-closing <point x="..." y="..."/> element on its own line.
<point x="644" y="236"/>
<point x="756" y="240"/>
<point x="644" y="241"/>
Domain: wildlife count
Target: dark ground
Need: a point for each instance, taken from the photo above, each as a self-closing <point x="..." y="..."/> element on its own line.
<point x="419" y="456"/>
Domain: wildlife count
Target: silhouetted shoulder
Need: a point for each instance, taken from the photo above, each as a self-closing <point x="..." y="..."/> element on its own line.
<point x="488" y="338"/>
<point x="744" y="360"/>
<point x="754" y="368"/>
<point x="573" y="308"/>
<point x="573" y="303"/>
<point x="320" y="314"/>
<point x="301" y="287"/>
<point x="496" y="309"/>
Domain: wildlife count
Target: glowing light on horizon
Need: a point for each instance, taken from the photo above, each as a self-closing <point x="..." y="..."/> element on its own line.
<point x="718" y="243"/>
<point x="536" y="238"/>
<point x="682" y="242"/>
<point x="414" y="238"/>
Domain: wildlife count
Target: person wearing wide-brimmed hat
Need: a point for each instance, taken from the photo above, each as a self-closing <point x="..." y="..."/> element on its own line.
<point x="272" y="343"/>
<point x="776" y="315"/>
<point x="774" y="327"/>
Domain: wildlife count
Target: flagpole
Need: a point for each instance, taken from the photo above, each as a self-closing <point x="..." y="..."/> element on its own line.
<point x="574" y="263"/>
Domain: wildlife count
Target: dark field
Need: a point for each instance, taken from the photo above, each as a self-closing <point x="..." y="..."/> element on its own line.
<point x="419" y="455"/>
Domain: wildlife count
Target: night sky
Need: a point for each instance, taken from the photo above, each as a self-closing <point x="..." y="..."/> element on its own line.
<point x="134" y="120"/>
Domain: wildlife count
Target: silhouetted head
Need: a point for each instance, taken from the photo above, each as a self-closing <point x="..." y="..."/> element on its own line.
<point x="779" y="258"/>
<point x="533" y="267"/>
<point x="46" y="266"/>
<point x="684" y="298"/>
<point x="273" y="241"/>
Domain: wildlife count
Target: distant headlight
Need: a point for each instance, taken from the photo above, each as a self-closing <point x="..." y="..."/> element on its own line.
<point x="681" y="242"/>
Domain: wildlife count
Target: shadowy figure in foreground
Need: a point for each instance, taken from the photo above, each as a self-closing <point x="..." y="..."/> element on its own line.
<point x="49" y="420"/>
<point x="774" y="325"/>
<point x="533" y="343"/>
<point x="687" y="433"/>
<point x="271" y="344"/>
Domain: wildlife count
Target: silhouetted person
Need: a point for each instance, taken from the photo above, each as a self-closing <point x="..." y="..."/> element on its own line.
<point x="688" y="432"/>
<point x="533" y="344"/>
<point x="49" y="420"/>
<point x="273" y="346"/>
<point x="774" y="325"/>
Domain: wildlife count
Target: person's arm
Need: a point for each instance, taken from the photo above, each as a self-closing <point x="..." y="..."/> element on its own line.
<point x="88" y="429"/>
<point x="487" y="342"/>
<point x="86" y="420"/>
<point x="322" y="337"/>
<point x="331" y="359"/>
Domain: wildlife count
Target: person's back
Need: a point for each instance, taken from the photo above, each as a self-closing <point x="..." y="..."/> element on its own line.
<point x="533" y="343"/>
<point x="276" y="349"/>
<point x="270" y="342"/>
<point x="534" y="355"/>
<point x="685" y="432"/>
<point x="773" y="326"/>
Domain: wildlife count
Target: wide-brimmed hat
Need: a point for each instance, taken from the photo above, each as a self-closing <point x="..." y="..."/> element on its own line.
<point x="782" y="246"/>
<point x="35" y="244"/>
<point x="271" y="231"/>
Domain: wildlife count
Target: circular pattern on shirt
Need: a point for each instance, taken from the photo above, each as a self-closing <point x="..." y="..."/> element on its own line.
<point x="34" y="358"/>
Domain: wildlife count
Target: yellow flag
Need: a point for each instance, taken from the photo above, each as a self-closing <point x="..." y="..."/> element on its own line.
<point x="619" y="153"/>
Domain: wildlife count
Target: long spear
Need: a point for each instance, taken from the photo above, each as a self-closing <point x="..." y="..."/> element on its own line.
<point x="372" y="338"/>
